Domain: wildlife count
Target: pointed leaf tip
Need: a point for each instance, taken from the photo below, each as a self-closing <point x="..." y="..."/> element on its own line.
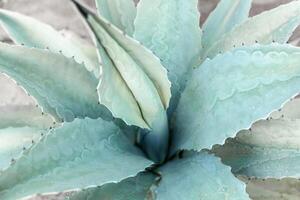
<point x="82" y="8"/>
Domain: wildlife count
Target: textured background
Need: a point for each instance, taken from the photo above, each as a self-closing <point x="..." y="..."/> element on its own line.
<point x="61" y="15"/>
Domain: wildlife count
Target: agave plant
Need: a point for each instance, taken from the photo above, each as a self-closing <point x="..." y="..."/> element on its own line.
<point x="140" y="119"/>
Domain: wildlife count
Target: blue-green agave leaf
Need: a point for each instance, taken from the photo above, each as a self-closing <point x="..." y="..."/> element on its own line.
<point x="19" y="126"/>
<point x="61" y="86"/>
<point x="135" y="188"/>
<point x="199" y="176"/>
<point x="171" y="30"/>
<point x="24" y="115"/>
<point x="232" y="91"/>
<point x="82" y="154"/>
<point x="140" y="92"/>
<point x="13" y="140"/>
<point x="269" y="150"/>
<point x="89" y="50"/>
<point x="276" y="25"/>
<point x="291" y="110"/>
<point x="272" y="189"/>
<point x="227" y="15"/>
<point x="120" y="13"/>
<point x="33" y="33"/>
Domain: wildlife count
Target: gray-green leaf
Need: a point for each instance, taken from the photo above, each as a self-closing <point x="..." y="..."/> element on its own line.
<point x="81" y="154"/>
<point x="270" y="149"/>
<point x="227" y="15"/>
<point x="135" y="188"/>
<point x="199" y="176"/>
<point x="171" y="30"/>
<point x="33" y="33"/>
<point x="61" y="86"/>
<point x="291" y="110"/>
<point x="232" y="91"/>
<point x="13" y="140"/>
<point x="19" y="126"/>
<point x="274" y="25"/>
<point x="24" y="115"/>
<point x="135" y="86"/>
<point x="120" y="13"/>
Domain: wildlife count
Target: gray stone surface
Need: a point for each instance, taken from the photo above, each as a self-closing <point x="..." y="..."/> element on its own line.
<point x="61" y="15"/>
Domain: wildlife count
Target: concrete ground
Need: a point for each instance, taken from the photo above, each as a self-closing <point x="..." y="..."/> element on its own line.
<point x="61" y="15"/>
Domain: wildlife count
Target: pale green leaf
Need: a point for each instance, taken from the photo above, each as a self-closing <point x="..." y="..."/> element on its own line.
<point x="274" y="25"/>
<point x="226" y="16"/>
<point x="82" y="154"/>
<point x="19" y="126"/>
<point x="136" y="188"/>
<point x="144" y="80"/>
<point x="24" y="115"/>
<point x="199" y="176"/>
<point x="291" y="110"/>
<point x="61" y="86"/>
<point x="270" y="149"/>
<point x="82" y="43"/>
<point x="273" y="189"/>
<point x="121" y="13"/>
<point x="171" y="30"/>
<point x="13" y="140"/>
<point x="33" y="33"/>
<point x="232" y="91"/>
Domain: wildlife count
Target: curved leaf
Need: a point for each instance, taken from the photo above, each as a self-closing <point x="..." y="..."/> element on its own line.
<point x="19" y="126"/>
<point x="145" y="85"/>
<point x="291" y="110"/>
<point x="199" y="176"/>
<point x="144" y="80"/>
<point x="23" y="115"/>
<point x="81" y="43"/>
<point x="270" y="149"/>
<point x="273" y="189"/>
<point x="33" y="33"/>
<point x="82" y="154"/>
<point x="213" y="107"/>
<point x="13" y="140"/>
<point x="61" y="86"/>
<point x="226" y="16"/>
<point x="136" y="188"/>
<point x="120" y="13"/>
<point x="171" y="30"/>
<point x="276" y="25"/>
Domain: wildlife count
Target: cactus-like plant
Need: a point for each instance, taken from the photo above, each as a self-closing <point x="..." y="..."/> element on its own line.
<point x="140" y="121"/>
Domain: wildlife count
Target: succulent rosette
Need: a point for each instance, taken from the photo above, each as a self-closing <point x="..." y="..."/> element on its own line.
<point x="146" y="112"/>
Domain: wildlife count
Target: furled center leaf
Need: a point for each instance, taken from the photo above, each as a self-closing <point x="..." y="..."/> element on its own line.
<point x="135" y="86"/>
<point x="131" y="74"/>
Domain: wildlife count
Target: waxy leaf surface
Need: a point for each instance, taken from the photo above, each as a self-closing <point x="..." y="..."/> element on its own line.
<point x="232" y="91"/>
<point x="60" y="85"/>
<point x="82" y="154"/>
<point x="276" y="25"/>
<point x="120" y="13"/>
<point x="226" y="16"/>
<point x="269" y="150"/>
<point x="33" y="33"/>
<point x="199" y="176"/>
<point x="135" y="188"/>
<point x="171" y="30"/>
